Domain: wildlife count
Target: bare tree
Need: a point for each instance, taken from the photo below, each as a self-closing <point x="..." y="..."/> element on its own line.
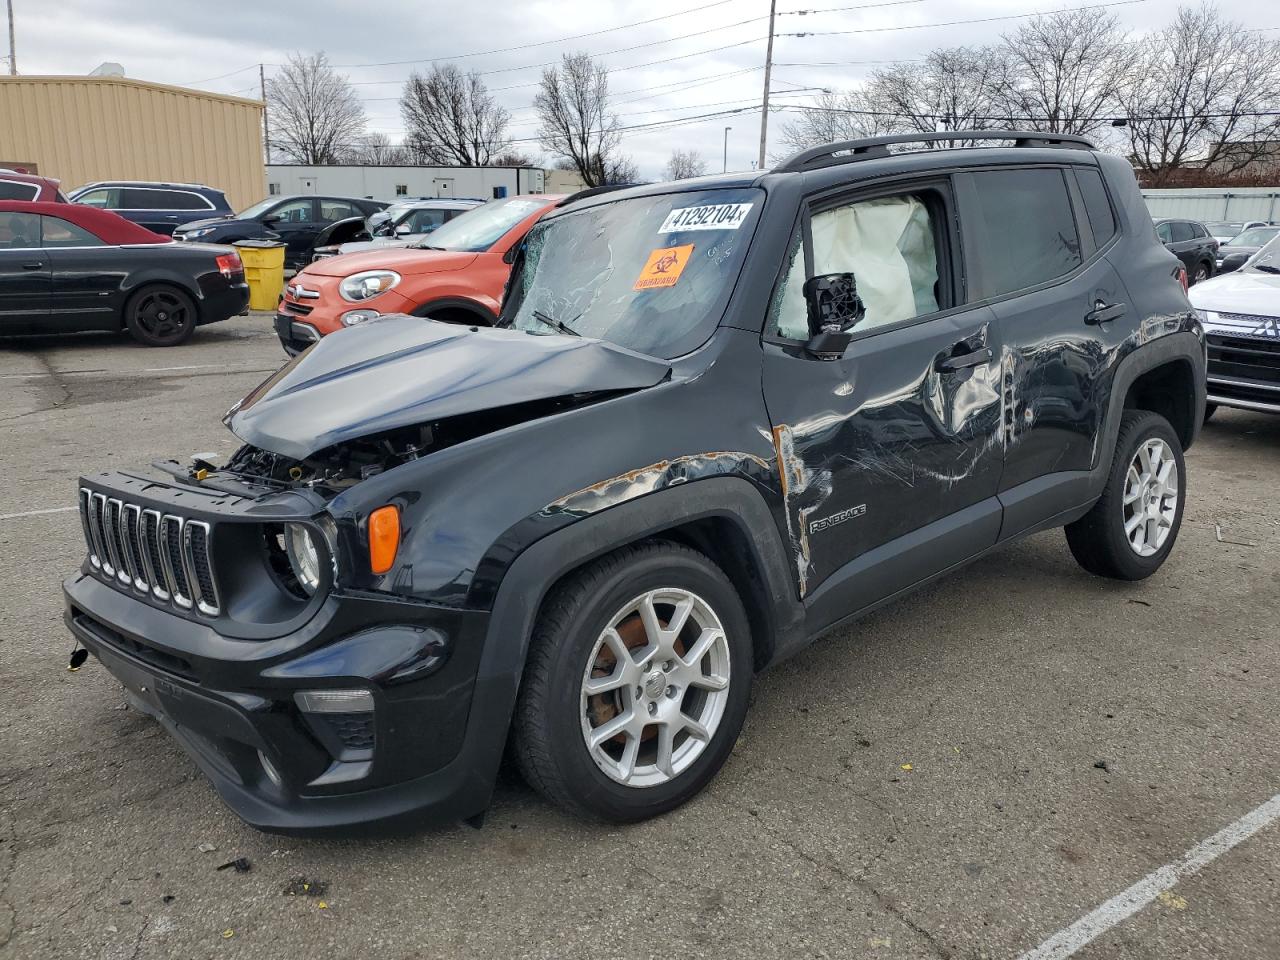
<point x="684" y="164"/>
<point x="450" y="117"/>
<point x="1064" y="71"/>
<point x="1198" y="97"/>
<point x="836" y="116"/>
<point x="512" y="157"/>
<point x="377" y="150"/>
<point x="953" y="89"/>
<point x="315" y="114"/>
<point x="575" y="121"/>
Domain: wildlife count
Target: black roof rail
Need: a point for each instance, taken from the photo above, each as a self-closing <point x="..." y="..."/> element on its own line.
<point x="593" y="191"/>
<point x="851" y="151"/>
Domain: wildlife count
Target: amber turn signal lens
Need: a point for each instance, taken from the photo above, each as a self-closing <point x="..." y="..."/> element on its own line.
<point x="384" y="538"/>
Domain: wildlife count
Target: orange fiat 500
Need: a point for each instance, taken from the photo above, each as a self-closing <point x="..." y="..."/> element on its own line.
<point x="455" y="274"/>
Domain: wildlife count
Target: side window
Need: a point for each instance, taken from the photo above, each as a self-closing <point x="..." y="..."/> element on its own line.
<point x="186" y="200"/>
<point x="1096" y="205"/>
<point x="293" y="211"/>
<point x="338" y="210"/>
<point x="19" y="231"/>
<point x="1026" y="231"/>
<point x="1181" y="231"/>
<point x="424" y="221"/>
<point x="60" y="233"/>
<point x="886" y="243"/>
<point x="1165" y="232"/>
<point x="143" y="198"/>
<point x="17" y="190"/>
<point x="105" y="198"/>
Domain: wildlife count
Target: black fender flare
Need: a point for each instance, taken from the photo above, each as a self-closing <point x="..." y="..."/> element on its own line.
<point x="533" y="572"/>
<point x="482" y="313"/>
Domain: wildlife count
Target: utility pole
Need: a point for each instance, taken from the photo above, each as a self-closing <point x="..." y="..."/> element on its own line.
<point x="13" y="56"/>
<point x="768" y="69"/>
<point x="266" y="127"/>
<point x="725" y="169"/>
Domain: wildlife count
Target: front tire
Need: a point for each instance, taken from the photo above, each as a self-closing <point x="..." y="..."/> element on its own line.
<point x="636" y="685"/>
<point x="1132" y="528"/>
<point x="160" y="316"/>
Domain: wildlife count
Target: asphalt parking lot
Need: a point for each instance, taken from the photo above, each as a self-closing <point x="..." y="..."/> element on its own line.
<point x="963" y="774"/>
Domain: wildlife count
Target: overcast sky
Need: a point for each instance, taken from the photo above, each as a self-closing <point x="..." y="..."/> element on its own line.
<point x="193" y="43"/>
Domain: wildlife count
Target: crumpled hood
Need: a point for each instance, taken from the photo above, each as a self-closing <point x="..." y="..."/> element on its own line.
<point x="1246" y="292"/>
<point x="397" y="371"/>
<point x="207" y="222"/>
<point x="405" y="262"/>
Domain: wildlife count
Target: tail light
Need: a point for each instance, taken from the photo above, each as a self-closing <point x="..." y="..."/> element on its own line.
<point x="230" y="265"/>
<point x="1181" y="275"/>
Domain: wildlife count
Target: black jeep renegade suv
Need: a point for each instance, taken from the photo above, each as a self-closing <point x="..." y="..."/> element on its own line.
<point x="716" y="419"/>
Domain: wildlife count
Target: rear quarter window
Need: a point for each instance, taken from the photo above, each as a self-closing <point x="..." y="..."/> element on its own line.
<point x="1097" y="206"/>
<point x="17" y="190"/>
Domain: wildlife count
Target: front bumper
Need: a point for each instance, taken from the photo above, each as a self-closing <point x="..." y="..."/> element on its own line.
<point x="295" y="333"/>
<point x="230" y="704"/>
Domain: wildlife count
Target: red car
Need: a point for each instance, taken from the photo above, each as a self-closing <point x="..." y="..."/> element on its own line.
<point x="20" y="185"/>
<point x="456" y="273"/>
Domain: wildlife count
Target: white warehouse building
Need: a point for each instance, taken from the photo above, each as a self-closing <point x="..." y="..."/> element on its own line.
<point x="387" y="183"/>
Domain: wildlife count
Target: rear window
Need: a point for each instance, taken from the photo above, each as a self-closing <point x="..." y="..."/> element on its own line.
<point x="17" y="190"/>
<point x="1096" y="205"/>
<point x="1026" y="230"/>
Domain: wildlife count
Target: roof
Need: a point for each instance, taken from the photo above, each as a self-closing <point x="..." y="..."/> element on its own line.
<point x="146" y="183"/>
<point x="74" y="80"/>
<point x="106" y="226"/>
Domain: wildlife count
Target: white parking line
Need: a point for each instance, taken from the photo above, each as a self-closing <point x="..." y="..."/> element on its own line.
<point x="85" y="373"/>
<point x="1124" y="905"/>
<point x="36" y="513"/>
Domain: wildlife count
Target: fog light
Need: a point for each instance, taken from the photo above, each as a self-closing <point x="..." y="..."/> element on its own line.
<point x="270" y="770"/>
<point x="334" y="701"/>
<point x="358" y="316"/>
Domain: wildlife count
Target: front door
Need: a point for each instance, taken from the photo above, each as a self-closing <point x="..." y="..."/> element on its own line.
<point x="889" y="456"/>
<point x="25" y="275"/>
<point x="87" y="277"/>
<point x="296" y="224"/>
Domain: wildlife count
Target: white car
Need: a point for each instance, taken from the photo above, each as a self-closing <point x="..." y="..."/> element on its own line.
<point x="1241" y="316"/>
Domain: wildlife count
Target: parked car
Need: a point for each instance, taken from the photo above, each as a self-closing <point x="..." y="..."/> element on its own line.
<point x="160" y="207"/>
<point x="1191" y="243"/>
<point x="397" y="206"/>
<point x="717" y="418"/>
<point x="410" y="224"/>
<point x="295" y="220"/>
<point x="16" y="185"/>
<point x="67" y="267"/>
<point x="1233" y="254"/>
<point x="1225" y="230"/>
<point x="1241" y="316"/>
<point x="456" y="273"/>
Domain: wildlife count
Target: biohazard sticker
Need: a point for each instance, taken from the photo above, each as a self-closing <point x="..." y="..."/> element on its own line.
<point x="715" y="216"/>
<point x="664" y="267"/>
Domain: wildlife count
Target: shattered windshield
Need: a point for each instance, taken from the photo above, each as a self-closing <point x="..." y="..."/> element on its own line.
<point x="481" y="227"/>
<point x="652" y="274"/>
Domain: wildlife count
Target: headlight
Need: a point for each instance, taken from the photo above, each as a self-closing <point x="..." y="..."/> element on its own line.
<point x="202" y="232"/>
<point x="364" y="286"/>
<point x="358" y="316"/>
<point x="304" y="556"/>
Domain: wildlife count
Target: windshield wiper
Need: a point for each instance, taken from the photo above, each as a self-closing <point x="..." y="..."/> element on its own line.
<point x="1266" y="268"/>
<point x="555" y="324"/>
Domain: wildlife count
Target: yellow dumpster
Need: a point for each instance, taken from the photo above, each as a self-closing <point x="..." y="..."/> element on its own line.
<point x="264" y="270"/>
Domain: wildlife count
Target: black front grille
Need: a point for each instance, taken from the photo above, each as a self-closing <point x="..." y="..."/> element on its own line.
<point x="165" y="556"/>
<point x="300" y="309"/>
<point x="1244" y="358"/>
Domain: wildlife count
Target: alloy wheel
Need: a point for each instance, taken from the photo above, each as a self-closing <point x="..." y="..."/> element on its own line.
<point x="160" y="314"/>
<point x="655" y="687"/>
<point x="1150" y="503"/>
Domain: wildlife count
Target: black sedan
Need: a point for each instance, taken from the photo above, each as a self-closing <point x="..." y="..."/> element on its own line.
<point x="1233" y="254"/>
<point x="66" y="267"/>
<point x="295" y="220"/>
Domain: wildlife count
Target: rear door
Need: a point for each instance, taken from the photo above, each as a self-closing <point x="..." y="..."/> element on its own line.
<point x="1060" y="305"/>
<point x="890" y="455"/>
<point x="25" y="275"/>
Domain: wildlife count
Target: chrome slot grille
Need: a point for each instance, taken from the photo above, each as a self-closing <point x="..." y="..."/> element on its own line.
<point x="165" y="555"/>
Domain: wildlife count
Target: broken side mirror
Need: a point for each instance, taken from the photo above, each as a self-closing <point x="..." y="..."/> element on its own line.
<point x="834" y="309"/>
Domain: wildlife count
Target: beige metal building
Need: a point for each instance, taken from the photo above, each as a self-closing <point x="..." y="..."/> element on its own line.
<point x="81" y="129"/>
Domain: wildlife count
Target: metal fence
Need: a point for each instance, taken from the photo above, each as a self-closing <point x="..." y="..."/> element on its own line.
<point x="1216" y="203"/>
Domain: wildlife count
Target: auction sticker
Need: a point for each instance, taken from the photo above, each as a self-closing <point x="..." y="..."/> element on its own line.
<point x="715" y="216"/>
<point x="664" y="267"/>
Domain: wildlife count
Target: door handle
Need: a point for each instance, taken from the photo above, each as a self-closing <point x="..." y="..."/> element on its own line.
<point x="1104" y="313"/>
<point x="963" y="361"/>
<point x="36" y="265"/>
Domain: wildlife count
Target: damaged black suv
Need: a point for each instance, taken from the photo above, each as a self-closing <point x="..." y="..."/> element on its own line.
<point x="716" y="419"/>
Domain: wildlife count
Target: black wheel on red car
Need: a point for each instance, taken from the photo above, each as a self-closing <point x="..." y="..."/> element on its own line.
<point x="160" y="316"/>
<point x="636" y="685"/>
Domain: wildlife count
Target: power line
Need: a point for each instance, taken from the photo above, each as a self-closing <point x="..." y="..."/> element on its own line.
<point x="955" y="23"/>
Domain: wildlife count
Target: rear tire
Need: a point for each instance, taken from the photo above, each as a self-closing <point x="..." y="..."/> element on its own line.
<point x="159" y="315"/>
<point x="1203" y="272"/>
<point x="1132" y="528"/>
<point x="676" y="695"/>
